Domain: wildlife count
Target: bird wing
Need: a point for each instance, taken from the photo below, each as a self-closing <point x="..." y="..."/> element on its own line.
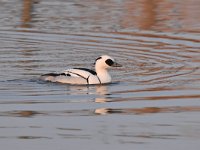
<point x="79" y="72"/>
<point x="70" y="80"/>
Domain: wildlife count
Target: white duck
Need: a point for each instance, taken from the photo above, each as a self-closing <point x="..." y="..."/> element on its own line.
<point x="83" y="75"/>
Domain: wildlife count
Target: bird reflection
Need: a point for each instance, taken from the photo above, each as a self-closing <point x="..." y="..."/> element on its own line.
<point x="102" y="91"/>
<point x="147" y="110"/>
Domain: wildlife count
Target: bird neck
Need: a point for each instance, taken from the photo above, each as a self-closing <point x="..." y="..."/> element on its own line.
<point x="103" y="75"/>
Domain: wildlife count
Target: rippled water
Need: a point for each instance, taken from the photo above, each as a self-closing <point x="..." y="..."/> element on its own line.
<point x="154" y="101"/>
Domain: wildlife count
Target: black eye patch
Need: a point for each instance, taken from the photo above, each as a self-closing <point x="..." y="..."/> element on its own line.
<point x="109" y="62"/>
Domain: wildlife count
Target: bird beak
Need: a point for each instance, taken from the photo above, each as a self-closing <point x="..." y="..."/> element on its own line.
<point x="116" y="65"/>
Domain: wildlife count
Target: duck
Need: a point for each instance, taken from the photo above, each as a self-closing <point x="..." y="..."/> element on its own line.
<point x="84" y="76"/>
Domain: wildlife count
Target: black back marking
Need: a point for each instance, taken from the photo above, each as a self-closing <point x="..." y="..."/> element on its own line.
<point x="98" y="58"/>
<point x="51" y="74"/>
<point x="55" y="74"/>
<point x="109" y="62"/>
<point x="68" y="74"/>
<point x="62" y="74"/>
<point x="88" y="70"/>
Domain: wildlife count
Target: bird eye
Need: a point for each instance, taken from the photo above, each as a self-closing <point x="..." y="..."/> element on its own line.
<point x="109" y="62"/>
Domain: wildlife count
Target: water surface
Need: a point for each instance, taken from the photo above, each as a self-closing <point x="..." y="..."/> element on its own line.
<point x="153" y="102"/>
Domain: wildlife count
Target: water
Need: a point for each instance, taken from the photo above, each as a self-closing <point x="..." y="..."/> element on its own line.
<point x="153" y="102"/>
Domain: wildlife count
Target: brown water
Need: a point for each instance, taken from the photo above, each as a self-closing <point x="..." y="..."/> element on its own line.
<point x="154" y="102"/>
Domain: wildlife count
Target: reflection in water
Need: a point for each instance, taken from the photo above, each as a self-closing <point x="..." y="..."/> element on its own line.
<point x="103" y="111"/>
<point x="151" y="15"/>
<point x="32" y="137"/>
<point x="21" y="113"/>
<point x="103" y="92"/>
<point x="147" y="110"/>
<point x="161" y="15"/>
<point x="27" y="13"/>
<point x="25" y="137"/>
<point x="156" y="101"/>
<point x="145" y="18"/>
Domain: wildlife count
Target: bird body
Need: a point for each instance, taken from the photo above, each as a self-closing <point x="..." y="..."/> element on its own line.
<point x="84" y="76"/>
